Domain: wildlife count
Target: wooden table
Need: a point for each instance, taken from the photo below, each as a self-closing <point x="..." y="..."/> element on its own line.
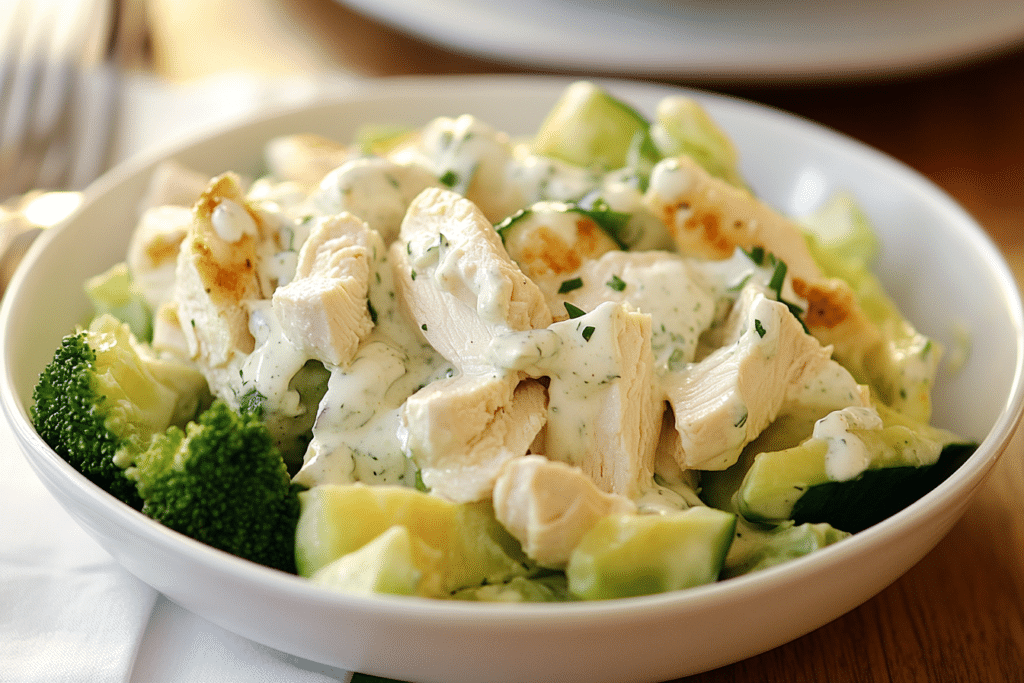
<point x="959" y="614"/>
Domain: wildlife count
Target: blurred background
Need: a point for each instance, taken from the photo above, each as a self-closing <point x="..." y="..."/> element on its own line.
<point x="938" y="84"/>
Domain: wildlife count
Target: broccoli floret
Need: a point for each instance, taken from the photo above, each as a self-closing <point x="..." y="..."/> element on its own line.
<point x="222" y="481"/>
<point x="104" y="395"/>
<point x="123" y="417"/>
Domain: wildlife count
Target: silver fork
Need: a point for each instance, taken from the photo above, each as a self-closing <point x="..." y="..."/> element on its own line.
<point x="60" y="84"/>
<point x="61" y="70"/>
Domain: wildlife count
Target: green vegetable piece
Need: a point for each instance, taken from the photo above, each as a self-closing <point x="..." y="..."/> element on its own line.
<point x="570" y="285"/>
<point x="573" y="311"/>
<point x="588" y="127"/>
<point x="616" y="283"/>
<point x="795" y="483"/>
<point x="104" y="395"/>
<point x="877" y="494"/>
<point x="454" y="546"/>
<point x="112" y="292"/>
<point x="683" y="126"/>
<point x="628" y="555"/>
<point x="757" y="547"/>
<point x="384" y="565"/>
<point x="380" y="139"/>
<point x="841" y="227"/>
<point x="222" y="481"/>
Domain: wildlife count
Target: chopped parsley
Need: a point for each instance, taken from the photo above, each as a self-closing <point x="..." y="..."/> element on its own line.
<point x="759" y="328"/>
<point x="573" y="311"/>
<point x="588" y="332"/>
<point x="617" y="283"/>
<point x="779" y="269"/>
<point x="569" y="285"/>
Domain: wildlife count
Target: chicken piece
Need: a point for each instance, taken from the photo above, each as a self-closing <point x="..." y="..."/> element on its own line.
<point x="355" y="436"/>
<point x="215" y="276"/>
<point x="153" y="251"/>
<point x="603" y="415"/>
<point x="457" y="282"/>
<point x="462" y="430"/>
<point x="659" y="283"/>
<point x="168" y="335"/>
<point x="724" y="401"/>
<point x="323" y="309"/>
<point x="551" y="239"/>
<point x="304" y="158"/>
<point x="709" y="218"/>
<point x="468" y="156"/>
<point x="549" y="506"/>
<point x="835" y="317"/>
<point x="377" y="190"/>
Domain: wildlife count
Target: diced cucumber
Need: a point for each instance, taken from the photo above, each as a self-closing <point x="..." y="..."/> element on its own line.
<point x="454" y="546"/>
<point x="757" y="547"/>
<point x="879" y="493"/>
<point x="113" y="292"/>
<point x="544" y="588"/>
<point x="387" y="564"/>
<point x="684" y="127"/>
<point x="628" y="555"/>
<point x="589" y="127"/>
<point x="795" y="484"/>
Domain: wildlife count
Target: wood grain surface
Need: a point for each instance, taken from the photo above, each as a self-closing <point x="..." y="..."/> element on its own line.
<point x="959" y="614"/>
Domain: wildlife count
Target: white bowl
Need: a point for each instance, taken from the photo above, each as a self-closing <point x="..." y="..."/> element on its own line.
<point x="936" y="261"/>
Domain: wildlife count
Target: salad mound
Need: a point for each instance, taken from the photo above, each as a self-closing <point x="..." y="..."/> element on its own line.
<point x="446" y="362"/>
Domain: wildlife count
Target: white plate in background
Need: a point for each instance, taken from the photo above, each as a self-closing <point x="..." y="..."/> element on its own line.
<point x="738" y="40"/>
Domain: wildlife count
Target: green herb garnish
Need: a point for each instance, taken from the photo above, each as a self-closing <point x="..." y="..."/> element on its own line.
<point x="574" y="311"/>
<point x="617" y="283"/>
<point x="570" y="285"/>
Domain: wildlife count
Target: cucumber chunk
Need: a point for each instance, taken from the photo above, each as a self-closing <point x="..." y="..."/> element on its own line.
<point x="387" y="564"/>
<point x="682" y="126"/>
<point x="794" y="484"/>
<point x="855" y="505"/>
<point x="628" y="555"/>
<point x="588" y="127"/>
<point x="452" y="546"/>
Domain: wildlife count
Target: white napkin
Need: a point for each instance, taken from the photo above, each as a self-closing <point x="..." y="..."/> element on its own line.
<point x="68" y="612"/>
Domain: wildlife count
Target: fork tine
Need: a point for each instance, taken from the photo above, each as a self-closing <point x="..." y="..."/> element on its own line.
<point x="45" y="89"/>
<point x="21" y="75"/>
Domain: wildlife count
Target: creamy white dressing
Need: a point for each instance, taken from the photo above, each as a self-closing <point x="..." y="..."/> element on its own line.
<point x="376" y="190"/>
<point x="847" y="454"/>
<point x="273" y="363"/>
<point x="584" y="369"/>
<point x="539" y="178"/>
<point x="356" y="436"/>
<point x="231" y="221"/>
<point x="670" y="179"/>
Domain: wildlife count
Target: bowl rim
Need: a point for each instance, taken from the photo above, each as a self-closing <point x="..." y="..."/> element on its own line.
<point x="969" y="475"/>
